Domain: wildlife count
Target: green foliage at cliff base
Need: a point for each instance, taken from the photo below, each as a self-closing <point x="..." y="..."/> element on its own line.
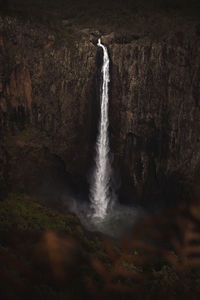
<point x="24" y="264"/>
<point x="20" y="212"/>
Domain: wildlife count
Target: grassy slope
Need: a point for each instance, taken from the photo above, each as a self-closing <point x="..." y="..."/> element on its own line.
<point x="26" y="231"/>
<point x="20" y="212"/>
<point x="35" y="260"/>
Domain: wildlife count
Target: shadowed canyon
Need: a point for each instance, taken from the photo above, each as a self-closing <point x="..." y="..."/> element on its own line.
<point x="99" y="114"/>
<point x="49" y="109"/>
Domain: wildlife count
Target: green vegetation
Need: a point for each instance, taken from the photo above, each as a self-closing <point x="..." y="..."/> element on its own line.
<point x="30" y="133"/>
<point x="35" y="243"/>
<point x="20" y="212"/>
<point x="46" y="255"/>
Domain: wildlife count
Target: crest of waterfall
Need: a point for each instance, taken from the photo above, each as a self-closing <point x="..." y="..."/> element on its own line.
<point x="100" y="197"/>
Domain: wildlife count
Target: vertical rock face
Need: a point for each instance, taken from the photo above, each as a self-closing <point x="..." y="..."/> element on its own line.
<point x="47" y="87"/>
<point x="48" y="109"/>
<point x="155" y="112"/>
<point x="18" y="89"/>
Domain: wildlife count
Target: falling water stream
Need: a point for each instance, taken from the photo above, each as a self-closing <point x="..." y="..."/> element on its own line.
<point x="100" y="197"/>
<point x="100" y="215"/>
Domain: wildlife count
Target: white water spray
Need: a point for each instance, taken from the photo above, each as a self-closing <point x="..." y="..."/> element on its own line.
<point x="100" y="197"/>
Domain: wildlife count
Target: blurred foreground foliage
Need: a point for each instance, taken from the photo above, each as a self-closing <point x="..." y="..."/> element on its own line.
<point x="48" y="255"/>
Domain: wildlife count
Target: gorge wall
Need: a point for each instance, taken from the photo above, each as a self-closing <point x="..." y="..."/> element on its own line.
<point x="48" y="109"/>
<point x="47" y="106"/>
<point x="155" y="113"/>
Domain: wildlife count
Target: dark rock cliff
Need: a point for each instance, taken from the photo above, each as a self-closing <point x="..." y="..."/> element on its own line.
<point x="47" y="105"/>
<point x="48" y="109"/>
<point x="155" y="114"/>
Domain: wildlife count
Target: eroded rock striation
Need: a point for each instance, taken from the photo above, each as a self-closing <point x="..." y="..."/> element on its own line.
<point x="155" y="113"/>
<point x="49" y="108"/>
<point x="47" y="102"/>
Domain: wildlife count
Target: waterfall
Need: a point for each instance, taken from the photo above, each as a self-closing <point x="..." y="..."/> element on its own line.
<point x="100" y="197"/>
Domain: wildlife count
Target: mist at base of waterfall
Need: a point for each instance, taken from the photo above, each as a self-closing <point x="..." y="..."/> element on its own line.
<point x="118" y="221"/>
